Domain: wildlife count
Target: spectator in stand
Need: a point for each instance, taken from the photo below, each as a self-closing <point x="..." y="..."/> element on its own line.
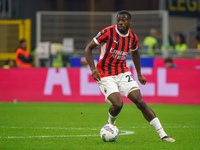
<point x="198" y="40"/>
<point x="23" y="57"/>
<point x="8" y="64"/>
<point x="198" y="45"/>
<point x="151" y="43"/>
<point x="83" y="62"/>
<point x="169" y="45"/>
<point x="181" y="45"/>
<point x="169" y="63"/>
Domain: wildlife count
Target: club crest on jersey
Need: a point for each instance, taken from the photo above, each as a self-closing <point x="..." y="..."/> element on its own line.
<point x="105" y="90"/>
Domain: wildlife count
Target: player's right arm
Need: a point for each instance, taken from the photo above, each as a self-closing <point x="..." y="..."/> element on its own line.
<point x="90" y="60"/>
<point x="101" y="37"/>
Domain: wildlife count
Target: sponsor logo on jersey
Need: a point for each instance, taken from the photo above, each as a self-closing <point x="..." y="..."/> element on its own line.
<point x="118" y="54"/>
<point x="116" y="42"/>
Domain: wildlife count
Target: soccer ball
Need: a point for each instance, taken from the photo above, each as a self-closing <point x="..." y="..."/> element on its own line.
<point x="109" y="133"/>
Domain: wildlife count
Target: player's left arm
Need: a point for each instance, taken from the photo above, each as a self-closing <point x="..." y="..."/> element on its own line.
<point x="136" y="60"/>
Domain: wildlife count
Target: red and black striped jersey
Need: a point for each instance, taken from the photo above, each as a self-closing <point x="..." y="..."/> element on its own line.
<point x="114" y="49"/>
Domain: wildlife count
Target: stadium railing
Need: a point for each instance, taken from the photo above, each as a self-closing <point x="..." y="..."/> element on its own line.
<point x="83" y="26"/>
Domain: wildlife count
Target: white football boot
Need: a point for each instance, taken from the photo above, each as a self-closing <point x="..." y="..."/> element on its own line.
<point x="167" y="139"/>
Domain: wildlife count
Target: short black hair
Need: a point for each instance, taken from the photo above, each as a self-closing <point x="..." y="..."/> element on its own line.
<point x="125" y="12"/>
<point x="22" y="41"/>
<point x="168" y="59"/>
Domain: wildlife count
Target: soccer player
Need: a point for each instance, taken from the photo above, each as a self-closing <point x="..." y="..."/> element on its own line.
<point x="111" y="72"/>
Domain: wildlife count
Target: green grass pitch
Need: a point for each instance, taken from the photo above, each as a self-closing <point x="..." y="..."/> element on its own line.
<point x="76" y="127"/>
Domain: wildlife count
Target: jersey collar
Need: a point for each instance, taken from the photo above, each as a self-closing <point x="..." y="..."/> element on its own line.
<point x="123" y="35"/>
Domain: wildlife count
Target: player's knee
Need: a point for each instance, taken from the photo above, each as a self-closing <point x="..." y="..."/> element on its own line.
<point x="118" y="106"/>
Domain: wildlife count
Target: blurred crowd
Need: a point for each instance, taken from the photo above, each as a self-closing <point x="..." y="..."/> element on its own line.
<point x="178" y="47"/>
<point x="150" y="46"/>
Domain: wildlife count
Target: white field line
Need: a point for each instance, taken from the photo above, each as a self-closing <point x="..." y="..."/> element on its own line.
<point x="169" y="127"/>
<point x="63" y="136"/>
<point x="98" y="128"/>
<point x="124" y="132"/>
<point x="48" y="136"/>
<point x="53" y="128"/>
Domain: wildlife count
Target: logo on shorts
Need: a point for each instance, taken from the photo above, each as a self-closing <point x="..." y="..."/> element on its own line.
<point x="105" y="90"/>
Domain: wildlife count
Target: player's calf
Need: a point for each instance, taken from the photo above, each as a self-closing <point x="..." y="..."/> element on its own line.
<point x="147" y="112"/>
<point x="141" y="104"/>
<point x="117" y="104"/>
<point x="114" y="111"/>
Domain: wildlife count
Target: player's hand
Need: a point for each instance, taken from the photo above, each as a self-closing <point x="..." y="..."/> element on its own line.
<point x="96" y="75"/>
<point x="142" y="79"/>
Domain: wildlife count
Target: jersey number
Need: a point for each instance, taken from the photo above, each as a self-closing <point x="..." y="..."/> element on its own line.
<point x="130" y="78"/>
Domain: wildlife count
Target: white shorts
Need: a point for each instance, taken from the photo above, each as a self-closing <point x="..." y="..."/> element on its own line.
<point x="123" y="82"/>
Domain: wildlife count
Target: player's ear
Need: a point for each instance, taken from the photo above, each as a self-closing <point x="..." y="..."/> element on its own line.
<point x="130" y="21"/>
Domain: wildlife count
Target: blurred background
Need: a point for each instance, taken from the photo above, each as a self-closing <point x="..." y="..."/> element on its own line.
<point x="58" y="30"/>
<point x="46" y="85"/>
<point x="54" y="33"/>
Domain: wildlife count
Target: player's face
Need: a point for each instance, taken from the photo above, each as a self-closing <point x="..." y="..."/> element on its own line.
<point x="123" y="23"/>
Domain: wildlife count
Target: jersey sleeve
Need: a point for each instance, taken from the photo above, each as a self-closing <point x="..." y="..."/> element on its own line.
<point x="101" y="37"/>
<point x="134" y="46"/>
